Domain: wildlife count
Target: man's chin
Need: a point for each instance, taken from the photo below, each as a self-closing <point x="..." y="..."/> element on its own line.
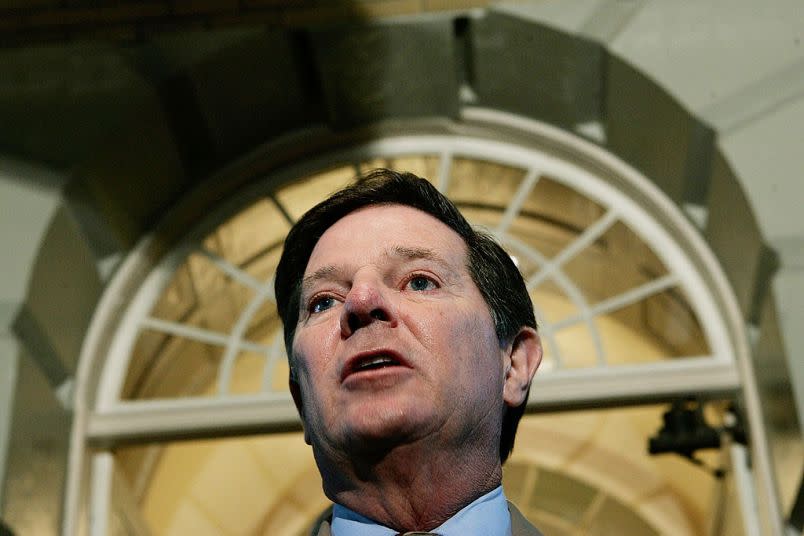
<point x="379" y="432"/>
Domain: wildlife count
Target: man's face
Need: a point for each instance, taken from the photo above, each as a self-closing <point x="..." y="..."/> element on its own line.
<point x="394" y="341"/>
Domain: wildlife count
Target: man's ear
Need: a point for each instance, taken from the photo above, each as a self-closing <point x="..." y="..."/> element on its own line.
<point x="295" y="392"/>
<point x="522" y="360"/>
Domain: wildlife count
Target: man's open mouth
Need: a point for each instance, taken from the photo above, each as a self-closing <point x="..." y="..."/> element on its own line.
<point x="373" y="361"/>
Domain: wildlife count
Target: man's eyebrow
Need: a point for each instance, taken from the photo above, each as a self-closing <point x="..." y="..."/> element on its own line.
<point x="405" y="252"/>
<point x="324" y="272"/>
<point x="414" y="253"/>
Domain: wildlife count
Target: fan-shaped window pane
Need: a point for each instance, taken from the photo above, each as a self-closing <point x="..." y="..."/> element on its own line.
<point x="610" y="288"/>
<point x="603" y="296"/>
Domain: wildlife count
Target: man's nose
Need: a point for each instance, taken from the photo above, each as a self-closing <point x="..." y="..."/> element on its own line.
<point x="366" y="303"/>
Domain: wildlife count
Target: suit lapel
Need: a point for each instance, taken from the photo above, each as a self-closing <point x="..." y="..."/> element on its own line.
<point x="519" y="525"/>
<point x="323" y="529"/>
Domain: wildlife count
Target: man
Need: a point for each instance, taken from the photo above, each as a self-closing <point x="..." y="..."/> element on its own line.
<point x="412" y="345"/>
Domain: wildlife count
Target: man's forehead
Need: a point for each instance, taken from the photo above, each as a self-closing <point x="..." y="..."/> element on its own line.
<point x="391" y="224"/>
<point x="393" y="232"/>
<point x="396" y="252"/>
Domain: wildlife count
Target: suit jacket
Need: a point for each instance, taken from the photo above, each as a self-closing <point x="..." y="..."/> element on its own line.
<point x="519" y="525"/>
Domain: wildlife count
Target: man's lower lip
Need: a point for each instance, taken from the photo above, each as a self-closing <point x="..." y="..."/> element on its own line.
<point x="373" y="374"/>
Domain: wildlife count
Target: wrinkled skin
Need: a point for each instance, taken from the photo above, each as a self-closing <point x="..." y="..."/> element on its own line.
<point x="390" y="284"/>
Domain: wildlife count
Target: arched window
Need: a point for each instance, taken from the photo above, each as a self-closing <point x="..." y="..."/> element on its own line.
<point x="187" y="342"/>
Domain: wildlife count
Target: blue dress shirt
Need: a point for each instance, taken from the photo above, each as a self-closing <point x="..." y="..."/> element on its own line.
<point x="487" y="515"/>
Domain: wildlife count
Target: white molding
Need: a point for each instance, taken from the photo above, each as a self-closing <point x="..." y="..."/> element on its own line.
<point x="142" y="421"/>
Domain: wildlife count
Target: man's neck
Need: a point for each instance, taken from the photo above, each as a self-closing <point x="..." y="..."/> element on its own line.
<point x="409" y="488"/>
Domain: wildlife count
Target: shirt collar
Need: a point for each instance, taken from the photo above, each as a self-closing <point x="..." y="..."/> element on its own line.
<point x="487" y="515"/>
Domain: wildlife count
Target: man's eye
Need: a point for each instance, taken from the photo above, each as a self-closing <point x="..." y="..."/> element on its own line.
<point x="321" y="304"/>
<point x="420" y="283"/>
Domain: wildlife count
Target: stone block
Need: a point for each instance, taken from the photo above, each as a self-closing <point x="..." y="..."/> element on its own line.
<point x="253" y="90"/>
<point x="378" y="71"/>
<point x="57" y="104"/>
<point x="528" y="68"/>
<point x="133" y="176"/>
<point x="735" y="238"/>
<point x="63" y="289"/>
<point x="649" y="128"/>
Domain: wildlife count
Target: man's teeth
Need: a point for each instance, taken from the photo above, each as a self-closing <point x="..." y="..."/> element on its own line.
<point x="375" y="362"/>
